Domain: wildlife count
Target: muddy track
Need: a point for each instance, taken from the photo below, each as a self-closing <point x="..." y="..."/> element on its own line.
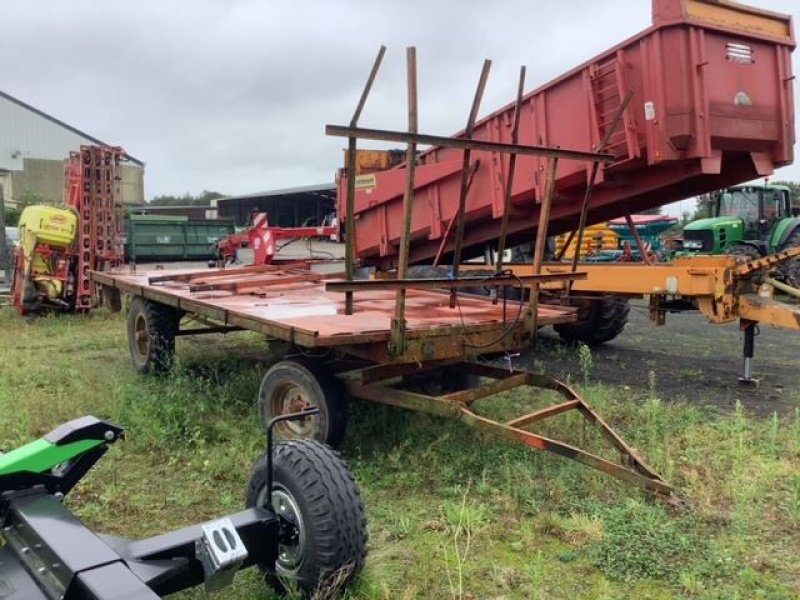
<point x="693" y="361"/>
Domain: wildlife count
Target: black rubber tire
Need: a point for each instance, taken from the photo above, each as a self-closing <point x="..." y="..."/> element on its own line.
<point x="743" y="252"/>
<point x="599" y="322"/>
<point x="290" y="386"/>
<point x="443" y="272"/>
<point x="790" y="270"/>
<point x="311" y="479"/>
<point x="151" y="335"/>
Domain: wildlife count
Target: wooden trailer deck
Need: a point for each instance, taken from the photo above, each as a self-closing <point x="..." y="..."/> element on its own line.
<point x="293" y="304"/>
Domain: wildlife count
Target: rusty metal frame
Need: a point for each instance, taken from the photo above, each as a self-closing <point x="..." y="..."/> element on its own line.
<point x="397" y="343"/>
<point x="412" y="138"/>
<point x="375" y="384"/>
<point x="461" y="212"/>
<point x="350" y="238"/>
<point x="512" y="167"/>
<point x="385" y="135"/>
<point x="429" y="284"/>
<point x="637" y="239"/>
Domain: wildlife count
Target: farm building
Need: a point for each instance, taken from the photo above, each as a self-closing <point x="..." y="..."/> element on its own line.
<point x="33" y="146"/>
<point x="291" y="207"/>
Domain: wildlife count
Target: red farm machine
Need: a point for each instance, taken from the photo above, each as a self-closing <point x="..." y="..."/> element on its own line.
<point x="59" y="246"/>
<point x="699" y="101"/>
<point x="263" y="239"/>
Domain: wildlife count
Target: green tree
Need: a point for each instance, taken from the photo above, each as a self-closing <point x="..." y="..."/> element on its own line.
<point x="27" y="198"/>
<point x="12" y="217"/>
<point x="202" y="199"/>
<point x="795" y="189"/>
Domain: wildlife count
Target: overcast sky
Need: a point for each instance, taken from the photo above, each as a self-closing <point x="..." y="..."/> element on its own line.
<point x="233" y="95"/>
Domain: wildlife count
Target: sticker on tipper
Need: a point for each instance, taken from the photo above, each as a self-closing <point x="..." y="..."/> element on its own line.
<point x="366" y="182"/>
<point x="650" y="111"/>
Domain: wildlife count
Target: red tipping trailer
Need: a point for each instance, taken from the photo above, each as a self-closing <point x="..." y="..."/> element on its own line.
<point x="712" y="105"/>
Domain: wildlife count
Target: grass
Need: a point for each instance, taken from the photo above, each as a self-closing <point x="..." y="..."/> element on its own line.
<point x="453" y="513"/>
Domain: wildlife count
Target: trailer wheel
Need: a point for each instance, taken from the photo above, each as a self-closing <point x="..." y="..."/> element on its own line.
<point x="151" y="335"/>
<point x="600" y="320"/>
<point x="323" y="541"/>
<point x="291" y="385"/>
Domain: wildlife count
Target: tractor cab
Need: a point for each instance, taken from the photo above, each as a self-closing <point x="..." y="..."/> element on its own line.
<point x="759" y="208"/>
<point x="758" y="216"/>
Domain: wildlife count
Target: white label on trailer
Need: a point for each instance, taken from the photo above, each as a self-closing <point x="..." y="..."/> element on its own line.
<point x="366" y="182"/>
<point x="741" y="54"/>
<point x="650" y="110"/>
<point x="163" y="239"/>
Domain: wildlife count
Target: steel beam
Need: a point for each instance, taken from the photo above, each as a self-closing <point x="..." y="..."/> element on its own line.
<point x="449" y="142"/>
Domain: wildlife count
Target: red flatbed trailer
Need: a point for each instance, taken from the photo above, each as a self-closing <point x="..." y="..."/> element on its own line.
<point x="293" y="305"/>
<point x="348" y="355"/>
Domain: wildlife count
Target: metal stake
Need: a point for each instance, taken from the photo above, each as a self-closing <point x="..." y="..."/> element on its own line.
<point x="512" y="164"/>
<point x="398" y="335"/>
<point x="465" y="177"/>
<point x="541" y="241"/>
<point x="350" y="233"/>
<point x="637" y="239"/>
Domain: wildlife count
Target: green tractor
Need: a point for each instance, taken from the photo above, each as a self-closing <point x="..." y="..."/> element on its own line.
<point x="750" y="221"/>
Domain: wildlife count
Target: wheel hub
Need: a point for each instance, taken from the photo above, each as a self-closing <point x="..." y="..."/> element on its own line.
<point x="292" y="541"/>
<point x="291" y="399"/>
<point x="141" y="335"/>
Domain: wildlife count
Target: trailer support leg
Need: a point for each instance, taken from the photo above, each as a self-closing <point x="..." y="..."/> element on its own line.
<point x="750" y="331"/>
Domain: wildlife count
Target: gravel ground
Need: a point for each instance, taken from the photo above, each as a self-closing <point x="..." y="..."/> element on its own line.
<point x="693" y="361"/>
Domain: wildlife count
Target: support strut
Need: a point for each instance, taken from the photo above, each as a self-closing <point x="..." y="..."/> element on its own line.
<point x="750" y="332"/>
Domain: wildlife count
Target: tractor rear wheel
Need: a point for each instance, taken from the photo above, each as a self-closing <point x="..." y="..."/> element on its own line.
<point x="323" y="540"/>
<point x="151" y="335"/>
<point x="790" y="270"/>
<point x="292" y="385"/>
<point x="743" y="252"/>
<point x="600" y="320"/>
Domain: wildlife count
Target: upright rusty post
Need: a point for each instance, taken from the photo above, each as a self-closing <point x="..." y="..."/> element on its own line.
<point x="398" y="335"/>
<point x="593" y="177"/>
<point x="540" y="245"/>
<point x="512" y="164"/>
<point x="350" y="233"/>
<point x="637" y="239"/>
<point x="461" y="214"/>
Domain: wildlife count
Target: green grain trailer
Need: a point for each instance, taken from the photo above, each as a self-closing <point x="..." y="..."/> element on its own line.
<point x="173" y="238"/>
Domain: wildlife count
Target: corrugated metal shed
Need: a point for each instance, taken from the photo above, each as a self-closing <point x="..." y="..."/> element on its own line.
<point x="27" y="132"/>
<point x="289" y="207"/>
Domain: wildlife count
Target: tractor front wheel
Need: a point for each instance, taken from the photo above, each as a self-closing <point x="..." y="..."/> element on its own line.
<point x="323" y="533"/>
<point x="151" y="335"/>
<point x="293" y="385"/>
